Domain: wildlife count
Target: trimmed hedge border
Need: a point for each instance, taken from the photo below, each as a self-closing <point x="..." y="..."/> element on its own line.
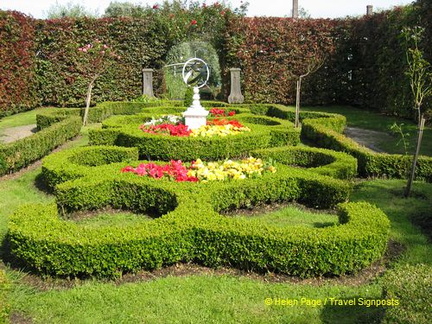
<point x="124" y="131"/>
<point x="325" y="130"/>
<point x="322" y="161"/>
<point x="21" y="153"/>
<point x="189" y="227"/>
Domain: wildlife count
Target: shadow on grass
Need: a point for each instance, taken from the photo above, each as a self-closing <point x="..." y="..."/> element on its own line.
<point x="352" y="310"/>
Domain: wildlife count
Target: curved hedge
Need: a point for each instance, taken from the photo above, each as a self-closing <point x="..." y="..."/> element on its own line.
<point x="370" y="163"/>
<point x="325" y="130"/>
<point x="189" y="227"/>
<point x="326" y="162"/>
<point x="125" y="131"/>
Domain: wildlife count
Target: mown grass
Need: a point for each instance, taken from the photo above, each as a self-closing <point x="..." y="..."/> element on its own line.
<point x="21" y="119"/>
<point x="212" y="297"/>
<point x="367" y="119"/>
<point x="196" y="299"/>
<point x="292" y="216"/>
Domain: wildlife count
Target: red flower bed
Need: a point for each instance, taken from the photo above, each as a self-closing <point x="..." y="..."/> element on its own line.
<point x="175" y="170"/>
<point x="168" y="129"/>
<point x="217" y="112"/>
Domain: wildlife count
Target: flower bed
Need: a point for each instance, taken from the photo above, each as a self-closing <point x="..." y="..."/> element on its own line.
<point x="264" y="132"/>
<point x="200" y="171"/>
<point x="174" y="126"/>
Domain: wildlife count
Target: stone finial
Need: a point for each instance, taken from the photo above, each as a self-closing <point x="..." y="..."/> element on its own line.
<point x="235" y="95"/>
<point x="147" y="89"/>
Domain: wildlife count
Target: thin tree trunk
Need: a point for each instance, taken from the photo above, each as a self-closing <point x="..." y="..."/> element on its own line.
<point x="417" y="152"/>
<point x="88" y="100"/>
<point x="297" y="109"/>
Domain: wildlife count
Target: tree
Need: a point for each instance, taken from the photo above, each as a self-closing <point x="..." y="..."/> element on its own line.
<point x="313" y="64"/>
<point x="70" y="9"/>
<point x="420" y="76"/>
<point x="124" y="9"/>
<point x="96" y="59"/>
<point x="419" y="69"/>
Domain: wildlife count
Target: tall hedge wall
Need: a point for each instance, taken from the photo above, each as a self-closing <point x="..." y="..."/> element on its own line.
<point x="58" y="42"/>
<point x="363" y="58"/>
<point x="274" y="52"/>
<point x="18" y="88"/>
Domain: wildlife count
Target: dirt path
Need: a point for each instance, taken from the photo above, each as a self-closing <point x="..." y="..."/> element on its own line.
<point x="367" y="137"/>
<point x="15" y="133"/>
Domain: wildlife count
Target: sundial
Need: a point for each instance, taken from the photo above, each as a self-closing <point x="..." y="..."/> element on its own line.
<point x="195" y="73"/>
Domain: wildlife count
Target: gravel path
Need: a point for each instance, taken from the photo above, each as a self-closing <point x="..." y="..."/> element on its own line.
<point x="15" y="133"/>
<point x="367" y="137"/>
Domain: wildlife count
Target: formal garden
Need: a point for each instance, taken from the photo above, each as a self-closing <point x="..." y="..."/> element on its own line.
<point x="116" y="207"/>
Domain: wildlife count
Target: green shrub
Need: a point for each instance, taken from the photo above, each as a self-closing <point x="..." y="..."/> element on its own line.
<point x="21" y="153"/>
<point x="125" y="131"/>
<point x="193" y="231"/>
<point x="326" y="162"/>
<point x="4" y="305"/>
<point x="411" y="287"/>
<point x="370" y="164"/>
<point x="75" y="163"/>
<point x="188" y="226"/>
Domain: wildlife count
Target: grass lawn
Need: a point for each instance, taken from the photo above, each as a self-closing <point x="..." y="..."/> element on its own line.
<point x="21" y="119"/>
<point x="291" y="216"/>
<point x="219" y="296"/>
<point x="366" y="119"/>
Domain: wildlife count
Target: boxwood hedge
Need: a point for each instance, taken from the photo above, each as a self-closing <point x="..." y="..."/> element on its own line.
<point x="322" y="161"/>
<point x="370" y="163"/>
<point x="188" y="226"/>
<point x="19" y="154"/>
<point x="125" y="131"/>
<point x="325" y="130"/>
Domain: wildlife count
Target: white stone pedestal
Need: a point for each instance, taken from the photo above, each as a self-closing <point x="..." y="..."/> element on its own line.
<point x="195" y="115"/>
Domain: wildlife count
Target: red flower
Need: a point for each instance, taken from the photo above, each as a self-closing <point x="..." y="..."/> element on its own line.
<point x="217" y="112"/>
<point x="156" y="7"/>
<point x="167" y="129"/>
<point x="193" y="22"/>
<point x="175" y="170"/>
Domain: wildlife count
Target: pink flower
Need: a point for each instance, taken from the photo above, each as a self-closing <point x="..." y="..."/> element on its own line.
<point x="156" y="7"/>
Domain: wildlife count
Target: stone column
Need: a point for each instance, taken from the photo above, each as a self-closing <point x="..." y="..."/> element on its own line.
<point x="369" y="10"/>
<point x="235" y="95"/>
<point x="295" y="9"/>
<point x="147" y="89"/>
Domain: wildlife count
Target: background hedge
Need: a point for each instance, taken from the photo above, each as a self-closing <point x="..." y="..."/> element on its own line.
<point x="364" y="57"/>
<point x="18" y="74"/>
